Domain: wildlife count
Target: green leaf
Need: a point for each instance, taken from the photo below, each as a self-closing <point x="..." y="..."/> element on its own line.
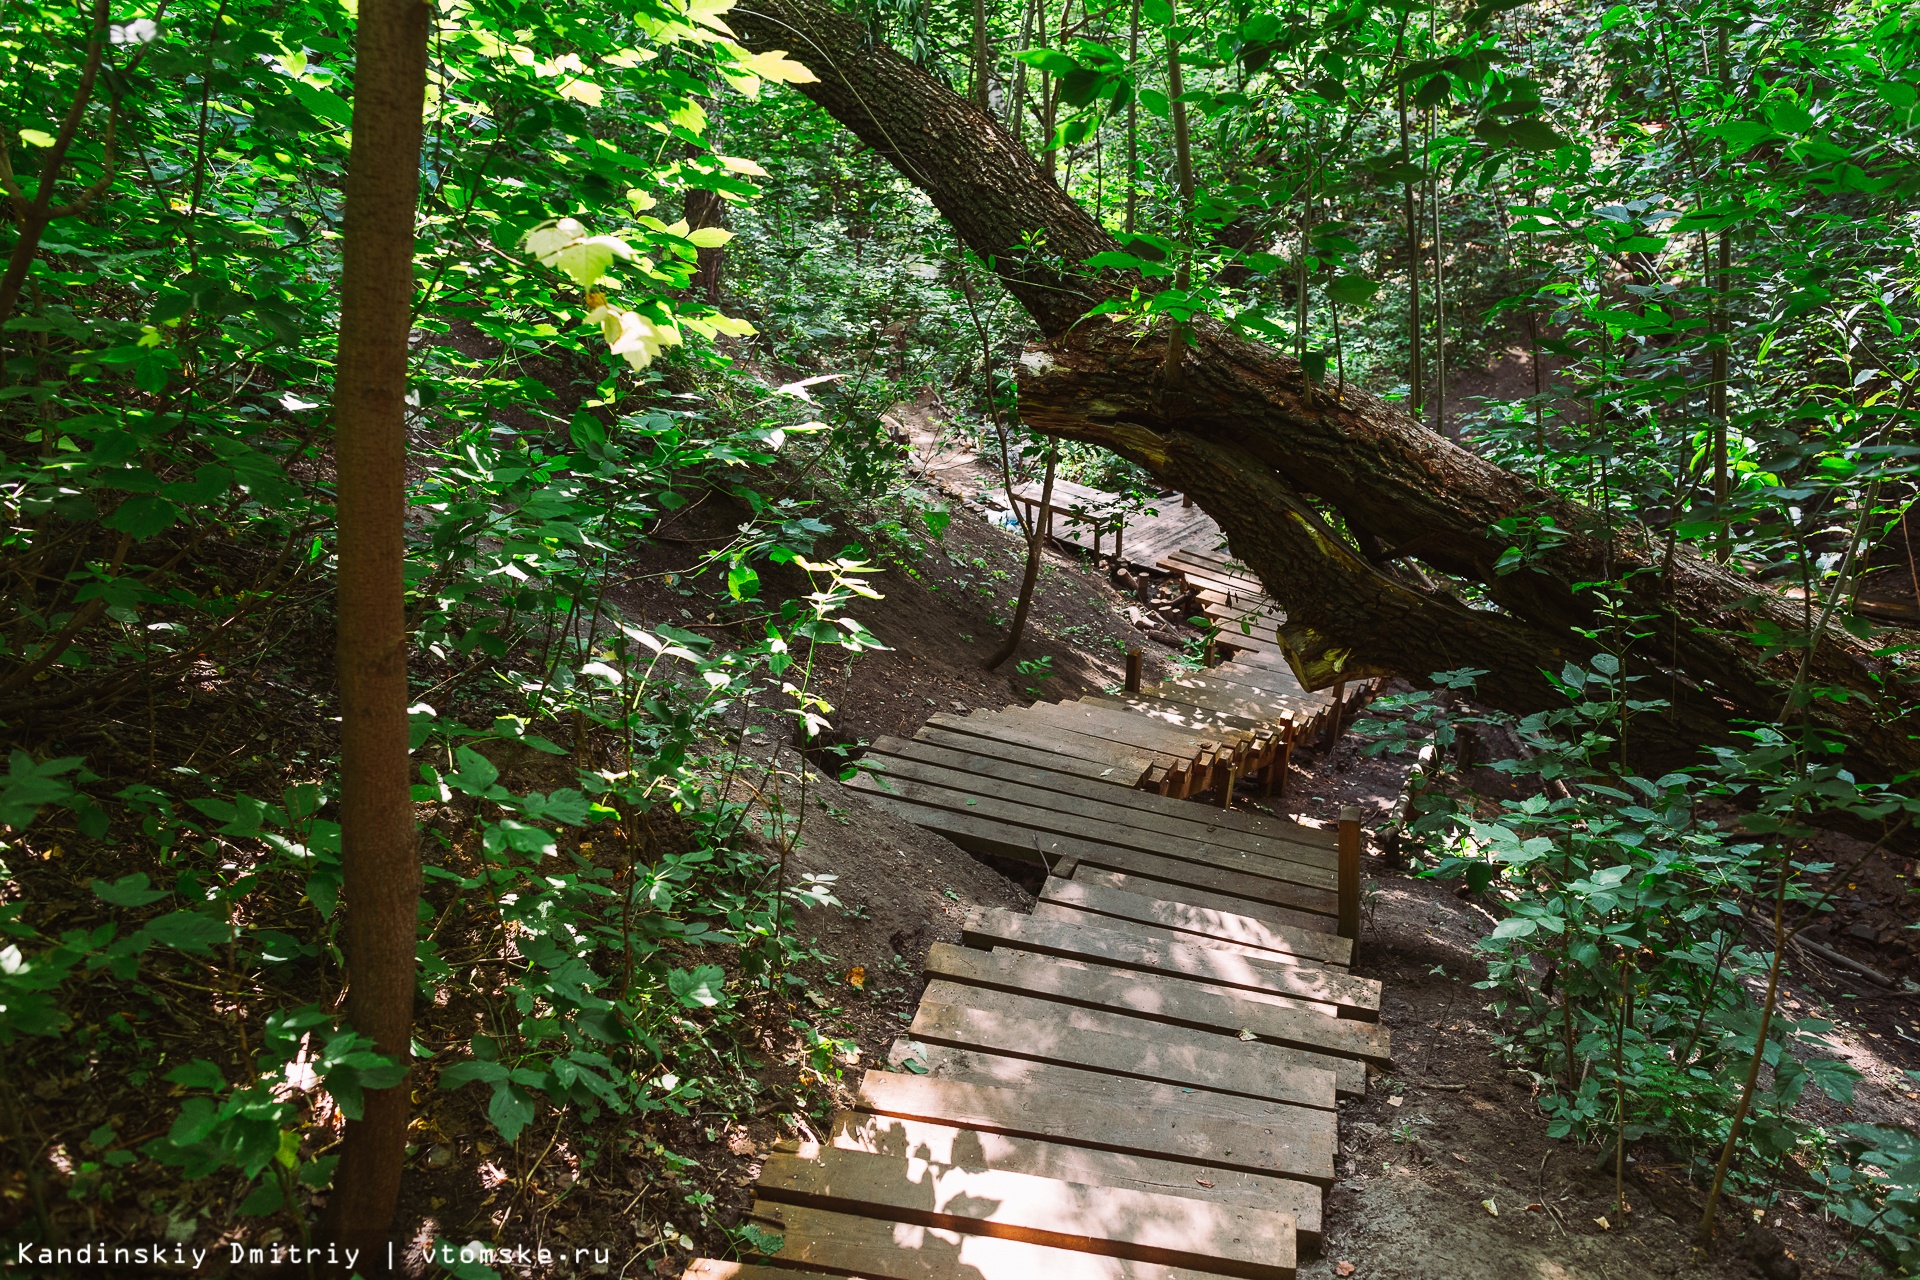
<point x="189" y="931"/>
<point x="700" y="989"/>
<point x="127" y="891"/>
<point x="510" y="1110"/>
<point x="1352" y="290"/>
<point x="476" y="773"/>
<point x="142" y="516"/>
<point x="198" y="1074"/>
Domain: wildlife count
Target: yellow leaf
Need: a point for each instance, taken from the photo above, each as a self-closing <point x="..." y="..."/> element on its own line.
<point x="707" y="14"/>
<point x="36" y="137"/>
<point x="743" y="83"/>
<point x="740" y="164"/>
<point x="857" y="977"/>
<point x="708" y="237"/>
<point x="776" y="65"/>
<point x="585" y="91"/>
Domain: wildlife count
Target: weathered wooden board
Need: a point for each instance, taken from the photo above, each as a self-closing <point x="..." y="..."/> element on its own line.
<point x="1160" y="935"/>
<point x="880" y="1250"/>
<point x="1025" y="1026"/>
<point x="1129" y="730"/>
<point x="989" y="725"/>
<point x="1180" y="889"/>
<point x="979" y="1066"/>
<point x="1142" y="1226"/>
<point x="1187" y="716"/>
<point x="1357" y="998"/>
<point x="1030" y="762"/>
<point x="715" y="1269"/>
<point x="1009" y="828"/>
<point x="1175" y="1000"/>
<point x="1302" y="1147"/>
<point x="1288" y="840"/>
<point x="1228" y="926"/>
<point x="977" y="1149"/>
<point x="1185" y="835"/>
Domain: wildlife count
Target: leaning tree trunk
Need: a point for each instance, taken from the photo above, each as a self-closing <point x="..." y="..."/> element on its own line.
<point x="1268" y="454"/>
<point x="379" y="857"/>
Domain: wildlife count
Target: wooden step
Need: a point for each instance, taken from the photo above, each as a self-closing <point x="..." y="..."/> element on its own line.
<point x="1105" y="753"/>
<point x="1187" y="835"/>
<point x="1302" y="1148"/>
<point x="1205" y="921"/>
<point x="1024" y="1026"/>
<point x="876" y="1249"/>
<point x="979" y="1066"/>
<point x="1140" y="1226"/>
<point x="1291" y="841"/>
<point x="977" y="1149"/>
<point x="1175" y="1000"/>
<point x="1357" y="998"/>
<point x="1010" y="830"/>
<point x="1027" y="762"/>
<point x="1171" y="885"/>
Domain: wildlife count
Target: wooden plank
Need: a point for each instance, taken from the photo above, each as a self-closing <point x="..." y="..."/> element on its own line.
<point x="1229" y="845"/>
<point x="1183" y="918"/>
<point x="1124" y="848"/>
<point x="1357" y="998"/>
<point x="1171" y="886"/>
<point x="1132" y="728"/>
<point x="1295" y="842"/>
<point x="1147" y="932"/>
<point x="1186" y="716"/>
<point x="1301" y="1147"/>
<point x="1025" y="722"/>
<point x="1026" y="759"/>
<point x="980" y="1066"/>
<point x="879" y="1250"/>
<point x="1141" y="1226"/>
<point x="1226" y="702"/>
<point x="1106" y="752"/>
<point x="975" y="1149"/>
<point x="1174" y="1000"/>
<point x="1023" y="1026"/>
<point x="1060" y="855"/>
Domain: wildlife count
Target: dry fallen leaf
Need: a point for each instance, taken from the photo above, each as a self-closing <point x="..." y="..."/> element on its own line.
<point x="1603" y="1224"/>
<point x="1490" y="1207"/>
<point x="1203" y="1182"/>
<point x="1344" y="1268"/>
<point x="1394" y="1102"/>
<point x="857" y="977"/>
<point x="1457" y="1156"/>
<point x="1536" y="1208"/>
<point x="1245" y="1034"/>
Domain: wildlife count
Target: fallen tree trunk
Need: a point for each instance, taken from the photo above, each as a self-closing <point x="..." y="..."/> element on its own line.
<point x="1262" y="449"/>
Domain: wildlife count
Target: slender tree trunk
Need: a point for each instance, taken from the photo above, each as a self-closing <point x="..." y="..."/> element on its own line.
<point x="378" y="849"/>
<point x="1247" y="438"/>
<point x="1439" y="299"/>
<point x="1036" y="544"/>
<point x="34" y="217"/>
<point x="1133" y="119"/>
<point x="1416" y="381"/>
<point x="1717" y="397"/>
<point x="1183" y="177"/>
<point x="982" y="60"/>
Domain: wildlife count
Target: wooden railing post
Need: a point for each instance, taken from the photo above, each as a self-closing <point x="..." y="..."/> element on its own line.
<point x="1350" y="872"/>
<point x="1133" y="670"/>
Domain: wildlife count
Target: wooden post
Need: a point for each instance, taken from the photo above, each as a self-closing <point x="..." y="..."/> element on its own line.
<point x="1213" y="648"/>
<point x="1339" y="705"/>
<point x="1350" y="873"/>
<point x="1119" y="533"/>
<point x="1186" y="499"/>
<point x="1133" y="670"/>
<point x="1226" y="788"/>
<point x="1275" y="781"/>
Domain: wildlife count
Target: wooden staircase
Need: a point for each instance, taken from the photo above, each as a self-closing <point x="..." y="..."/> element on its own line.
<point x="1138" y="1079"/>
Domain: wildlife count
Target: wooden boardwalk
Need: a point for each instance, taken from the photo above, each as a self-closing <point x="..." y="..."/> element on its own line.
<point x="1138" y="1079"/>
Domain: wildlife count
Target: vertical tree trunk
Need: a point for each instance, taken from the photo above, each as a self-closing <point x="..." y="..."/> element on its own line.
<point x="1036" y="543"/>
<point x="378" y="850"/>
<point x="1416" y="383"/>
<point x="1183" y="176"/>
<point x="982" y="62"/>
<point x="1133" y="119"/>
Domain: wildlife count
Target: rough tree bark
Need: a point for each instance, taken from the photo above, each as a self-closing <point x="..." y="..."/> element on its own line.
<point x="1255" y="443"/>
<point x="381" y="868"/>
